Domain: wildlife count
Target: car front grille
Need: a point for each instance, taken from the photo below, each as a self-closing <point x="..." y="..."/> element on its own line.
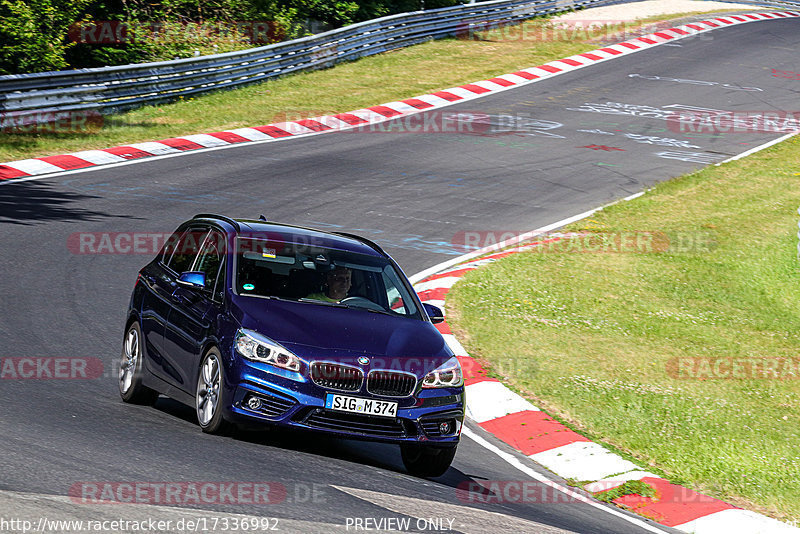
<point x="337" y="376"/>
<point x="391" y="383"/>
<point x="357" y="424"/>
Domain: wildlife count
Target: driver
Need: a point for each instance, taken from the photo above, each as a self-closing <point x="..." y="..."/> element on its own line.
<point x="337" y="284"/>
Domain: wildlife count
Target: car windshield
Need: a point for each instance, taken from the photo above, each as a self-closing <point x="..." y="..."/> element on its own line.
<point x="319" y="275"/>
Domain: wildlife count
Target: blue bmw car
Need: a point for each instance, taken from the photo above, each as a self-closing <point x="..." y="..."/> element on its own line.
<point x="249" y="321"/>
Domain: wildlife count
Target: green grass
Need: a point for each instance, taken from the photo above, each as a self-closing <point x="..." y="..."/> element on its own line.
<point x="631" y="487"/>
<point x="593" y="337"/>
<point x="369" y="81"/>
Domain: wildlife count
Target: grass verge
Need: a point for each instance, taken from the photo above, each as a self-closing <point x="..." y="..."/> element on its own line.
<point x="367" y="82"/>
<point x="685" y="356"/>
<point x="631" y="487"/>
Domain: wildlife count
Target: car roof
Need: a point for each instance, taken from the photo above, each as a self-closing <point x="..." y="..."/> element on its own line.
<point x="288" y="232"/>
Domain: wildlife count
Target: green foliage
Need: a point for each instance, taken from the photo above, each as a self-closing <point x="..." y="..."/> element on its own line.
<point x="187" y="10"/>
<point x="332" y="12"/>
<point x="170" y="29"/>
<point x="35" y="34"/>
<point x="32" y="34"/>
<point x="371" y="9"/>
<point x="35" y="37"/>
<point x="631" y="487"/>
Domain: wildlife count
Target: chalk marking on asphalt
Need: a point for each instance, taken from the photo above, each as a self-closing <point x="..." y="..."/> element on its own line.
<point x="467" y="97"/>
<point x="468" y="519"/>
<point x="503" y="244"/>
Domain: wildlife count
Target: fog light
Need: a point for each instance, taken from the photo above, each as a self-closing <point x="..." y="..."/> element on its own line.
<point x="254" y="403"/>
<point x="445" y="428"/>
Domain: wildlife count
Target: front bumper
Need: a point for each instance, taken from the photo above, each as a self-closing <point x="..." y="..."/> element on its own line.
<point x="288" y="402"/>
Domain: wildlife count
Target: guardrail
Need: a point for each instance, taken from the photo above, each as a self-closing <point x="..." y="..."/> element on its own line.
<point x="38" y="97"/>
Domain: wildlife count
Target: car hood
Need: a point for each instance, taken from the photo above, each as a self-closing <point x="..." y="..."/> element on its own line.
<point x="316" y="331"/>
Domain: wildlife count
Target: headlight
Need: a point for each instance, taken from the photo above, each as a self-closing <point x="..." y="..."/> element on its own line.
<point x="258" y="348"/>
<point x="448" y="375"/>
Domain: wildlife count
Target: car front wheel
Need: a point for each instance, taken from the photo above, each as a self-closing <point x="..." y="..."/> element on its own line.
<point x="209" y="394"/>
<point x="426" y="461"/>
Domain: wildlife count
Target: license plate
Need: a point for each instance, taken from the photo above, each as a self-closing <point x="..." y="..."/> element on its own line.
<point x="343" y="403"/>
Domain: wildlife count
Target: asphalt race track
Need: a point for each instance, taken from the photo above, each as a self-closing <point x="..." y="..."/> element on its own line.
<point x="578" y="141"/>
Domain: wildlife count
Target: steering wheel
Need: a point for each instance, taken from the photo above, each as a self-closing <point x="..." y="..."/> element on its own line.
<point x="361" y="302"/>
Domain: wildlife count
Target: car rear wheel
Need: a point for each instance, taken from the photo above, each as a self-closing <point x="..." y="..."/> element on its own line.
<point x="426" y="461"/>
<point x="209" y="394"/>
<point x="130" y="369"/>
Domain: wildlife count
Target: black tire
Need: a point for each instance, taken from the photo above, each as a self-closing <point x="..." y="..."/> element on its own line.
<point x="427" y="461"/>
<point x="208" y="398"/>
<point x="131" y="369"/>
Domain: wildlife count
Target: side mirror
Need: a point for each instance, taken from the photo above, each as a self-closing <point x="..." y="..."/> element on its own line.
<point x="193" y="279"/>
<point x="434" y="312"/>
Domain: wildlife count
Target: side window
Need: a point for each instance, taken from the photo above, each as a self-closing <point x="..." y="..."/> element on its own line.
<point x="210" y="258"/>
<point x="219" y="288"/>
<point x="186" y="249"/>
<point x="394" y="294"/>
<point x="169" y="246"/>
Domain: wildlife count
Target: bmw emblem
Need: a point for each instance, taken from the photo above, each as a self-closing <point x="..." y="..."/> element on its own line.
<point x="363" y="360"/>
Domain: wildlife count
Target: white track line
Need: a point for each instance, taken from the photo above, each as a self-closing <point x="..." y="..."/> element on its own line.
<point x="498" y="246"/>
<point x="515" y="462"/>
<point x="149" y="158"/>
<point x="376" y="117"/>
<point x="759" y="148"/>
<point x="527" y="236"/>
<point x="509" y="458"/>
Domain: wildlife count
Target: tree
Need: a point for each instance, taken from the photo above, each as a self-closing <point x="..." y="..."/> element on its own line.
<point x="32" y="34"/>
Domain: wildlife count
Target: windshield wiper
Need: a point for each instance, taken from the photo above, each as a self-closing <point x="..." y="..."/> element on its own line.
<point x="324" y="303"/>
<point x="391" y="314"/>
<point x="269" y="297"/>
